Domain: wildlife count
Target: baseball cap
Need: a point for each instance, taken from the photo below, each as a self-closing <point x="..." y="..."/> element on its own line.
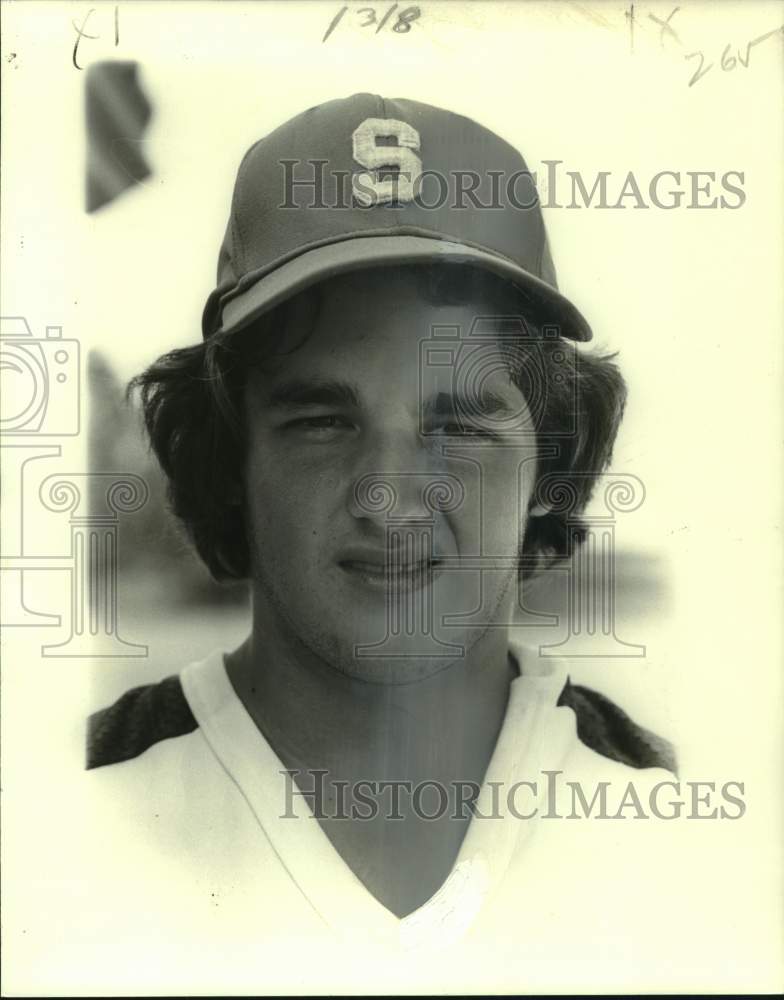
<point x="366" y="181"/>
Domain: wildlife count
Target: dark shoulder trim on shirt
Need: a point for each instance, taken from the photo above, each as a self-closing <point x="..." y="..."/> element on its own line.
<point x="148" y="714"/>
<point x="138" y="719"/>
<point x="608" y="730"/>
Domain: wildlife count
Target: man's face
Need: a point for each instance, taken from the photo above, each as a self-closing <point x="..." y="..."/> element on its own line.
<point x="387" y="478"/>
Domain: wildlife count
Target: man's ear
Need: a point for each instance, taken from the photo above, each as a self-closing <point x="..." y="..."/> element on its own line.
<point x="540" y="564"/>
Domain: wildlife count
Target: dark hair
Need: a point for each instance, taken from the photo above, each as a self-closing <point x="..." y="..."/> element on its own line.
<point x="192" y="405"/>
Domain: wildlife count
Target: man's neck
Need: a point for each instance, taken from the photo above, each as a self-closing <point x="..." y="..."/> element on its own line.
<point x="442" y="727"/>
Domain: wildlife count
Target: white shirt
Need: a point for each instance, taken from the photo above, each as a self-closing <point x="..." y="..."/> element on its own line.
<point x="193" y="880"/>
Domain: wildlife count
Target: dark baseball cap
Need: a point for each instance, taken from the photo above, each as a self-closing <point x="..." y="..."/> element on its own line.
<point x="368" y="181"/>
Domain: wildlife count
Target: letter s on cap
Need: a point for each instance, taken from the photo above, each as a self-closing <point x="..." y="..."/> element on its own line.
<point x="367" y="188"/>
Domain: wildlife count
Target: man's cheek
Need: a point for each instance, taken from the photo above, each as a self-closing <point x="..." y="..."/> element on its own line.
<point x="289" y="514"/>
<point x="491" y="519"/>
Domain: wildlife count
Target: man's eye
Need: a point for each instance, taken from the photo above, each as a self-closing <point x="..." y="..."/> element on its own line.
<point x="464" y="430"/>
<point x="324" y="422"/>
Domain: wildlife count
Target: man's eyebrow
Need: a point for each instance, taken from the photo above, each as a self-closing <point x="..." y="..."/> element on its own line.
<point x="313" y="392"/>
<point x="485" y="403"/>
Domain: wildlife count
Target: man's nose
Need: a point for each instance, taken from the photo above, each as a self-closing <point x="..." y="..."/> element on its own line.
<point x="398" y="478"/>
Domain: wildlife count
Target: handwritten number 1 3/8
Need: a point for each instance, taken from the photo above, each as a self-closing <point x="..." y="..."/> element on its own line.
<point x="401" y="26"/>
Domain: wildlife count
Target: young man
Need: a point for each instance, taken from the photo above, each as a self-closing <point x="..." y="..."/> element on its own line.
<point x="374" y="433"/>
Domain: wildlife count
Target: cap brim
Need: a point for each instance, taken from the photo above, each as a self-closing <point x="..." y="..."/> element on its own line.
<point x="358" y="253"/>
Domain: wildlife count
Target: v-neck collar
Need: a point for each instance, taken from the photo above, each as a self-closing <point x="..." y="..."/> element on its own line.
<point x="535" y="733"/>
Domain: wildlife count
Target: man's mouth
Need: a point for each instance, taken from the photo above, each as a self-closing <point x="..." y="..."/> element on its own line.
<point x="393" y="573"/>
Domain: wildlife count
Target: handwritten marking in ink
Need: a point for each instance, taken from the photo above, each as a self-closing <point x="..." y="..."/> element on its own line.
<point x="368" y="16"/>
<point x="728" y="62"/>
<point x="81" y="32"/>
<point x="666" y="28"/>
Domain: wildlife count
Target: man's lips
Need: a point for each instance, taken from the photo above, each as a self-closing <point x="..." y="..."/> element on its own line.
<point x="396" y="569"/>
<point x="380" y="570"/>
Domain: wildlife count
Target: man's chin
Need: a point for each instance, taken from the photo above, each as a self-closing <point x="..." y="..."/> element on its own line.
<point x="383" y="639"/>
<point x="382" y="656"/>
<point x="403" y="638"/>
<point x="394" y="667"/>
